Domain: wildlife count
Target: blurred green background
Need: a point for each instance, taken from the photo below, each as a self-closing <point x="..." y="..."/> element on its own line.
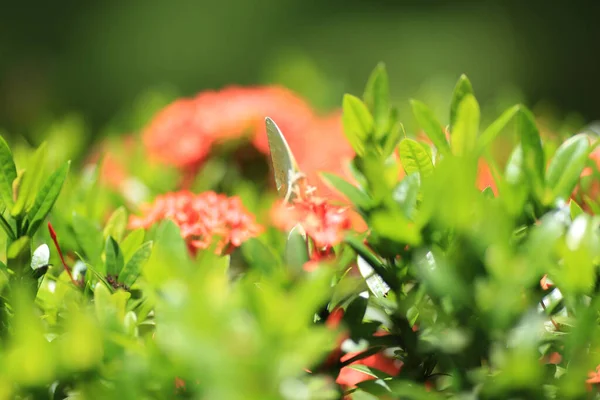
<point x="96" y="57"/>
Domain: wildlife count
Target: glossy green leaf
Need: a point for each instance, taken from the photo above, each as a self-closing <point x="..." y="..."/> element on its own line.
<point x="114" y="258"/>
<point x="461" y="90"/>
<point x="296" y="250"/>
<point x="358" y="122"/>
<point x="351" y="192"/>
<point x="133" y="269"/>
<point x="375" y="282"/>
<point x="46" y="197"/>
<point x="414" y="158"/>
<point x="116" y="225"/>
<point x="466" y="126"/>
<point x="430" y="124"/>
<point x="377" y="98"/>
<point x="31" y="181"/>
<point x="89" y="237"/>
<point x="8" y="173"/>
<point x="566" y="166"/>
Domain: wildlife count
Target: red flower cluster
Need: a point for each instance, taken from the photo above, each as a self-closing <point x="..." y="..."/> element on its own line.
<point x="183" y="133"/>
<point x="323" y="222"/>
<point x="202" y="218"/>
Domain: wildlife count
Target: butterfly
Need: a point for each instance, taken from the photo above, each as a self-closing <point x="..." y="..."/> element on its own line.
<point x="285" y="168"/>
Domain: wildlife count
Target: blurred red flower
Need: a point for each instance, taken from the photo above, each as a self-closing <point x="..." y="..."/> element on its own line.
<point x="113" y="170"/>
<point x="350" y="377"/>
<point x="183" y="133"/>
<point x="587" y="185"/>
<point x="593" y="378"/>
<point x="202" y="218"/>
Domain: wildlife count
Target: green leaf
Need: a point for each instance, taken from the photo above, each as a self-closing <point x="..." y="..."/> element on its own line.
<point x="132" y="241"/>
<point x="133" y="268"/>
<point x="414" y="158"/>
<point x="116" y="225"/>
<point x="492" y="131"/>
<point x="114" y="257"/>
<point x="533" y="154"/>
<point x="31" y="181"/>
<point x="358" y="122"/>
<point x="377" y="98"/>
<point x="355" y="312"/>
<point x="462" y="89"/>
<point x="8" y="173"/>
<point x="393" y="137"/>
<point x="575" y="209"/>
<point x="296" y="251"/>
<point x="351" y="192"/>
<point x="566" y="166"/>
<point x="466" y="127"/>
<point x="432" y="127"/>
<point x="89" y="238"/>
<point x="260" y="256"/>
<point x="46" y="197"/>
<point x="375" y="282"/>
<point x="406" y="194"/>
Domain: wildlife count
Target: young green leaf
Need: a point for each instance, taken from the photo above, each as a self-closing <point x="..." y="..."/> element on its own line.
<point x="114" y="257"/>
<point x="406" y="194"/>
<point x="352" y="193"/>
<point x="116" y="225"/>
<point x="31" y="181"/>
<point x="8" y="173"/>
<point x="466" y="126"/>
<point x="357" y="121"/>
<point x="132" y="241"/>
<point x="575" y="209"/>
<point x="432" y="127"/>
<point x="377" y="98"/>
<point x="461" y="90"/>
<point x="566" y="165"/>
<point x="531" y="143"/>
<point x="414" y="158"/>
<point x="492" y="131"/>
<point x="133" y="268"/>
<point x="46" y="197"/>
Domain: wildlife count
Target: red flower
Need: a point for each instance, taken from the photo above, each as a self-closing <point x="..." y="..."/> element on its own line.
<point x="113" y="170"/>
<point x="323" y="222"/>
<point x="183" y="133"/>
<point x="589" y="186"/>
<point x="593" y="378"/>
<point x="350" y="377"/>
<point x="545" y="283"/>
<point x="202" y="218"/>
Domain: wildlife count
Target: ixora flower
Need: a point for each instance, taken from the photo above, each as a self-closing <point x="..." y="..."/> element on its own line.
<point x="322" y="221"/>
<point x="202" y="218"/>
<point x="183" y="133"/>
